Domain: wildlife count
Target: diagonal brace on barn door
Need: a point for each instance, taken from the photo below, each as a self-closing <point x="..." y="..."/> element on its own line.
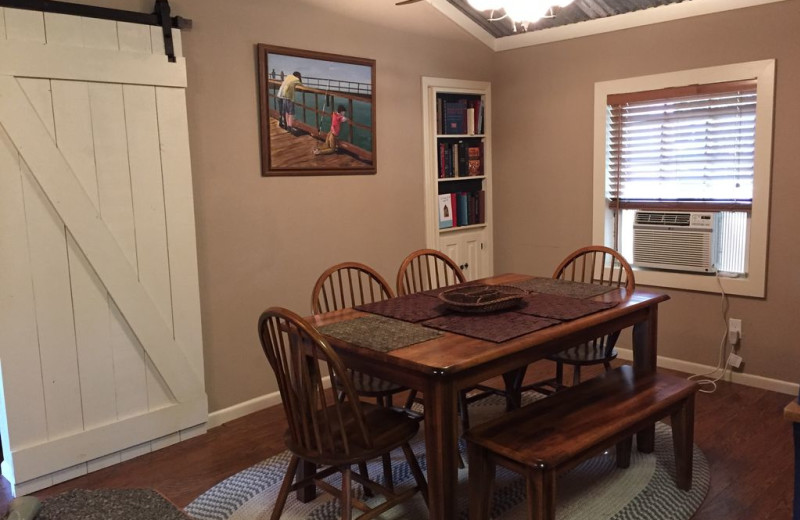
<point x="66" y="194"/>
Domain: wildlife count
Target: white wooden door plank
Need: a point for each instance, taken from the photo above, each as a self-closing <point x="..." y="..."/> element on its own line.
<point x="99" y="34"/>
<point x="97" y="243"/>
<point x="129" y="367"/>
<point x="156" y="41"/>
<point x="93" y="338"/>
<point x="134" y="37"/>
<point x="53" y="300"/>
<point x="179" y="202"/>
<point x="73" y="117"/>
<point x="19" y="348"/>
<point x="40" y="96"/>
<point x="2" y="23"/>
<point x="33" y="60"/>
<point x="25" y="25"/>
<point x="177" y="42"/>
<point x="148" y="195"/>
<point x="147" y="186"/>
<point x="111" y="160"/>
<point x="63" y="29"/>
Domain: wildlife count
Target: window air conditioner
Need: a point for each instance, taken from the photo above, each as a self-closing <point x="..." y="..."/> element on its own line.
<point x="678" y="241"/>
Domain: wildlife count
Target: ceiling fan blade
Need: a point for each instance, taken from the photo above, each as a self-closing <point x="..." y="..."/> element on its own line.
<point x="406" y="2"/>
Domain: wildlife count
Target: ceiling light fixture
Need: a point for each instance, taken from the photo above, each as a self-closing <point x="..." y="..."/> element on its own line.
<point x="522" y="12"/>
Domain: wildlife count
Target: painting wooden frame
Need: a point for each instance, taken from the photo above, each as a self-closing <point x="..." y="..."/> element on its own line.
<point x="297" y="114"/>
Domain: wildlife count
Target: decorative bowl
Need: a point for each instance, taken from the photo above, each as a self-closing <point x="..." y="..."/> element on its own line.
<point x="482" y="298"/>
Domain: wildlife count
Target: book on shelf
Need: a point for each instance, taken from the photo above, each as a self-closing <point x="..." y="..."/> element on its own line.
<point x="463" y="210"/>
<point x="445" y="211"/>
<point x="475" y="159"/>
<point x="471" y="121"/>
<point x="455" y="116"/>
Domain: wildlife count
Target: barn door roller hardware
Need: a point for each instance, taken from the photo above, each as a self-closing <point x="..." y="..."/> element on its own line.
<point x="160" y="16"/>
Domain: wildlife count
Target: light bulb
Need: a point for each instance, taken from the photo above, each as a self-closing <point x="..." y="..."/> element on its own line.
<point x="522" y="11"/>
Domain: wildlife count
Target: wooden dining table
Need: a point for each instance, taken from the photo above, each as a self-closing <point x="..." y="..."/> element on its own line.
<point x="442" y="366"/>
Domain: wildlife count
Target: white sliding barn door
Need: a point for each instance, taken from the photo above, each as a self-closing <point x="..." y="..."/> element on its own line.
<point x="100" y="338"/>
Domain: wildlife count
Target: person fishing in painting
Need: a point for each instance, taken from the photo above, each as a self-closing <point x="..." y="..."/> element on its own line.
<point x="332" y="140"/>
<point x="286" y="100"/>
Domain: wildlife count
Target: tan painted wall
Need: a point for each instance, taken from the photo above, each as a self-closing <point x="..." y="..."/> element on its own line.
<point x="543" y="101"/>
<point x="264" y="241"/>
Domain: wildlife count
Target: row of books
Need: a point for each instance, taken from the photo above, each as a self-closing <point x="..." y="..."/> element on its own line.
<point x="462" y="209"/>
<point x="460" y="158"/>
<point x="459" y="115"/>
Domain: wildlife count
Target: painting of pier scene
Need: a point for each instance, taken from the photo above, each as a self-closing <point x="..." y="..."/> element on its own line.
<point x="317" y="112"/>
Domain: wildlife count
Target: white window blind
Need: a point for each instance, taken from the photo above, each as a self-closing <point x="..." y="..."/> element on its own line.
<point x="686" y="147"/>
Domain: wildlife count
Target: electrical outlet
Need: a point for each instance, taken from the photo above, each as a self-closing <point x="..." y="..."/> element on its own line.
<point x="735" y="325"/>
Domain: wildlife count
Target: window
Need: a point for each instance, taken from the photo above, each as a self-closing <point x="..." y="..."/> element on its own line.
<point x="694" y="143"/>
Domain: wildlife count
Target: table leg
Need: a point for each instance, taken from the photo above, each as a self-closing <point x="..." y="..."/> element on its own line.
<point x="645" y="353"/>
<point x="441" y="445"/>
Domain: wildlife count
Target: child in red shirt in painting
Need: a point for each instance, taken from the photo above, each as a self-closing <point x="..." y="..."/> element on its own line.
<point x="331" y="142"/>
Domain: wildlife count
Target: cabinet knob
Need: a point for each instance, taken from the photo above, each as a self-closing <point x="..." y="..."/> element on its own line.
<point x="464" y="266"/>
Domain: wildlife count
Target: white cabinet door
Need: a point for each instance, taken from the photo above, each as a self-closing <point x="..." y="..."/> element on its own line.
<point x="469" y="250"/>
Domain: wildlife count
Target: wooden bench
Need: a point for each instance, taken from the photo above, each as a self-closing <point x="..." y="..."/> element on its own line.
<point x="557" y="433"/>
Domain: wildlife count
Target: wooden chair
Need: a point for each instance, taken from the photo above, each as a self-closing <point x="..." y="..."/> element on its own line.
<point x="347" y="285"/>
<point x="428" y="269"/>
<point x="327" y="431"/>
<point x="598" y="265"/>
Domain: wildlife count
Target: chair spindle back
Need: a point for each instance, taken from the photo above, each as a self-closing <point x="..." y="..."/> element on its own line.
<point x="297" y="354"/>
<point x="598" y="265"/>
<point x="347" y="285"/>
<point x="427" y="269"/>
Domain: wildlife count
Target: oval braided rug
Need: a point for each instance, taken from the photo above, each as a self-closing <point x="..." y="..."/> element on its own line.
<point x="594" y="490"/>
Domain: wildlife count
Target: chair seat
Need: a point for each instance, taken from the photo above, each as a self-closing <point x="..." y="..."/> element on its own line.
<point x="583" y="355"/>
<point x="389" y="429"/>
<point x="372" y="386"/>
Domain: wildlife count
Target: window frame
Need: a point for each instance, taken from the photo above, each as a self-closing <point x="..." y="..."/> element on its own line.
<point x="754" y="284"/>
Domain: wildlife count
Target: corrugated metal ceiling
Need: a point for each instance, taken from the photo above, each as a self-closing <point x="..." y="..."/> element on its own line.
<point x="578" y="11"/>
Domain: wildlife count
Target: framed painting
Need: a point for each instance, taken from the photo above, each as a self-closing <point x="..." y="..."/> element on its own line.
<point x="317" y="113"/>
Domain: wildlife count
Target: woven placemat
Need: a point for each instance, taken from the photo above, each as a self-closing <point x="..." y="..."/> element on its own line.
<point x="560" y="307"/>
<point x="110" y="504"/>
<point x="379" y="333"/>
<point x="563" y="287"/>
<point x="496" y="327"/>
<point x="413" y="307"/>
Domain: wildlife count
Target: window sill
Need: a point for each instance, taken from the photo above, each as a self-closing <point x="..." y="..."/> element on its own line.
<point x="741" y="286"/>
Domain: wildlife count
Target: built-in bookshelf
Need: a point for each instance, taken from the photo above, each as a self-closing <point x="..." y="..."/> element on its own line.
<point x="458" y="171"/>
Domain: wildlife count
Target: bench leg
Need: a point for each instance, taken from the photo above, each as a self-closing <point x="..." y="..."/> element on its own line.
<point x="683" y="440"/>
<point x="541" y="488"/>
<point x="481" y="481"/>
<point x="624" y="449"/>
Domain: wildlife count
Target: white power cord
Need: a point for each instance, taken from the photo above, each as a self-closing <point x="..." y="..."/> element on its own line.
<point x="708" y="383"/>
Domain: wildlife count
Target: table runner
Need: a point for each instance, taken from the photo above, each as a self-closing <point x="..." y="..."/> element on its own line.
<point x="379" y="333"/>
<point x="496" y="327"/>
<point x="412" y="307"/>
<point x="563" y="287"/>
<point x="560" y="307"/>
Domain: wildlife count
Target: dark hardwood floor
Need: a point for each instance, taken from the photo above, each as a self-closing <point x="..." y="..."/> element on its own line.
<point x="740" y="429"/>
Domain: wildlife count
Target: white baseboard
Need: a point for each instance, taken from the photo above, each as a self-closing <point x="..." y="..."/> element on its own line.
<point x="220" y="417"/>
<point x="765" y="383"/>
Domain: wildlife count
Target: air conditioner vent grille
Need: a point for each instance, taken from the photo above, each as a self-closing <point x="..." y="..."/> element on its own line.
<point x="663" y="218"/>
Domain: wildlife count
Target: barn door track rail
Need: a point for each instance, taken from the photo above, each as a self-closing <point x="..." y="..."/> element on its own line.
<point x="160" y="17"/>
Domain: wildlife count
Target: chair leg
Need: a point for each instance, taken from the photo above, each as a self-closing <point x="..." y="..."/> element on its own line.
<point x="607" y="364"/>
<point x="347" y="495"/>
<point x="362" y="469"/>
<point x="683" y="440"/>
<point x="412" y="396"/>
<point x="387" y="471"/>
<point x="416" y="471"/>
<point x="559" y="374"/>
<point x="481" y="481"/>
<point x="464" y="409"/>
<point x="576" y="375"/>
<point x="280" y="502"/>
